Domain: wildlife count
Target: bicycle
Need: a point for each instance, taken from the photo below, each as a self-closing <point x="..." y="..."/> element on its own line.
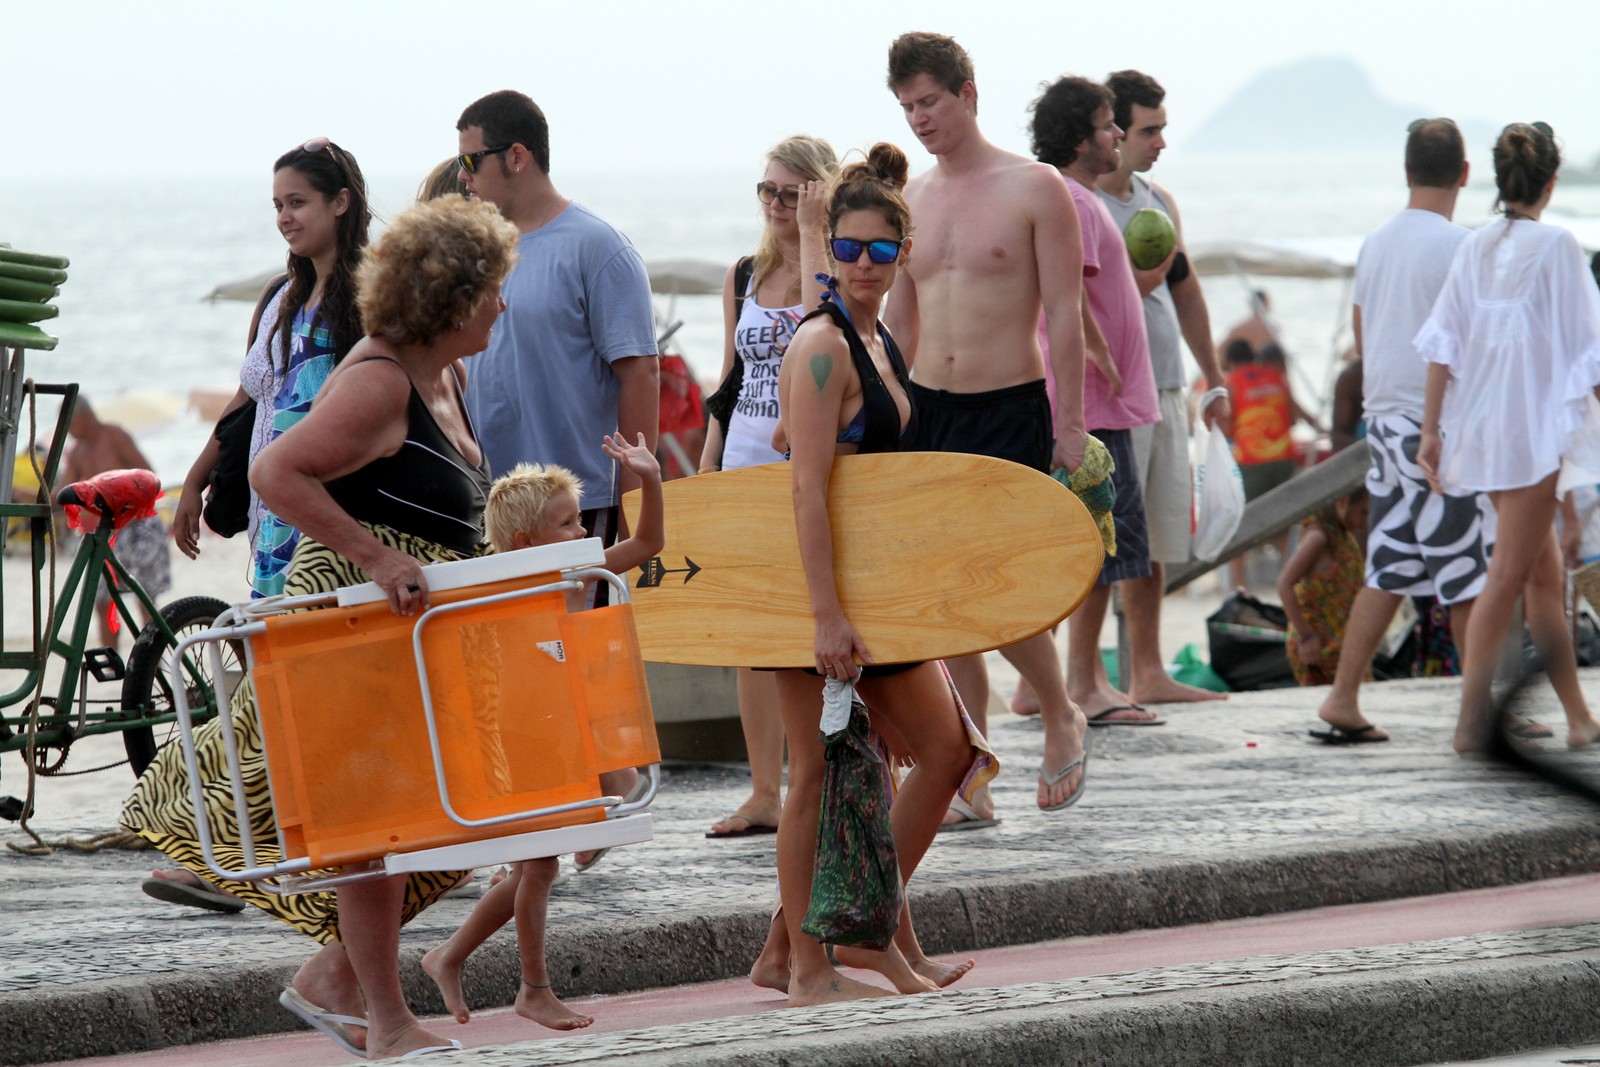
<point x="48" y="725"/>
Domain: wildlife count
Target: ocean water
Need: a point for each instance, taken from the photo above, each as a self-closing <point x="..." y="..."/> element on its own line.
<point x="145" y="254"/>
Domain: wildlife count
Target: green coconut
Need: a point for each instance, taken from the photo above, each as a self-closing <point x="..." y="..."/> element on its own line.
<point x="1149" y="236"/>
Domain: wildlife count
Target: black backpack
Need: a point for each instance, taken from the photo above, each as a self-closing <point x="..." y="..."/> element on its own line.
<point x="719" y="405"/>
<point x="227" y="506"/>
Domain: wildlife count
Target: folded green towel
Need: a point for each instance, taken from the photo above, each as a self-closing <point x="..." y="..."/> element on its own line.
<point x="1093" y="485"/>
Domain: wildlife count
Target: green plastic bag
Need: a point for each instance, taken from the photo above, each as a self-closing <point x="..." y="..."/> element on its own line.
<point x="1190" y="669"/>
<point x="856" y="891"/>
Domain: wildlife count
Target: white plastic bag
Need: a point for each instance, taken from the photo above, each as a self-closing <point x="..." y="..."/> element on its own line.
<point x="1218" y="493"/>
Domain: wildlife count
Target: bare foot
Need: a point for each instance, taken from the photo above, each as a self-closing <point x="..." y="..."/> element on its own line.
<point x="1025" y="701"/>
<point x="943" y="974"/>
<point x="545" y="1008"/>
<point x="891" y="963"/>
<point x="770" y="974"/>
<point x="1584" y="733"/>
<point x="831" y="987"/>
<point x="1165" y="690"/>
<point x="446" y="974"/>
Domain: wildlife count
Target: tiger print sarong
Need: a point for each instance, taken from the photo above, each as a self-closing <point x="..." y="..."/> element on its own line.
<point x="160" y="809"/>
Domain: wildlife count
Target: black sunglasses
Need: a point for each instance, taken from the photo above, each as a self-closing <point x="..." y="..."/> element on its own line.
<point x="848" y="250"/>
<point x="469" y="160"/>
<point x="767" y="193"/>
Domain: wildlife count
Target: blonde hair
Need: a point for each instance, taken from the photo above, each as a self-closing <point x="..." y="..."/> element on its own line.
<point x="442" y="181"/>
<point x="520" y="501"/>
<point x="811" y="158"/>
<point x="434" y="266"/>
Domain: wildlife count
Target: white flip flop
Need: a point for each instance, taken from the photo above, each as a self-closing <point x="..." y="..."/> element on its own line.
<point x="327" y="1023"/>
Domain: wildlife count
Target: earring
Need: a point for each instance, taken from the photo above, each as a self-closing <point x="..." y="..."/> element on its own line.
<point x="461" y="324"/>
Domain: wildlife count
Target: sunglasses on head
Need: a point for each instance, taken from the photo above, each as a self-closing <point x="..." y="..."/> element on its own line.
<point x="767" y="193"/>
<point x="1416" y="124"/>
<point x="469" y="160"/>
<point x="322" y="144"/>
<point x="848" y="250"/>
<point x="1542" y="127"/>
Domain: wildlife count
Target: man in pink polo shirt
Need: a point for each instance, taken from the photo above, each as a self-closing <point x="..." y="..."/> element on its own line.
<point x="1074" y="132"/>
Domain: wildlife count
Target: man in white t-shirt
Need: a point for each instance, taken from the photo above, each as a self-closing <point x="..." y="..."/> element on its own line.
<point x="1419" y="543"/>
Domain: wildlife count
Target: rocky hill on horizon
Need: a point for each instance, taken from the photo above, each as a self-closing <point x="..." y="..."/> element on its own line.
<point x="1319" y="104"/>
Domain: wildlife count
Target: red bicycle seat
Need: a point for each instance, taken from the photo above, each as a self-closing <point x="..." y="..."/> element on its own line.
<point x="126" y="495"/>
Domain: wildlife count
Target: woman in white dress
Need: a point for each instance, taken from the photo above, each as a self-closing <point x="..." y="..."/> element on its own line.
<point x="1514" y="343"/>
<point x="763" y="299"/>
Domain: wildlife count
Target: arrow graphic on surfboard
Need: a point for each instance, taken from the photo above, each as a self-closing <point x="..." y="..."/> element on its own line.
<point x="654" y="572"/>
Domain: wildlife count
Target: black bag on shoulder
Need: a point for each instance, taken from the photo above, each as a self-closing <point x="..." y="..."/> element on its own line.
<point x="719" y="405"/>
<point x="227" y="506"/>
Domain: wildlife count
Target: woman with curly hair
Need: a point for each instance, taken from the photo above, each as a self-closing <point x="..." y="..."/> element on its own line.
<point x="383" y="475"/>
<point x="1514" y="348"/>
<point x="306" y="324"/>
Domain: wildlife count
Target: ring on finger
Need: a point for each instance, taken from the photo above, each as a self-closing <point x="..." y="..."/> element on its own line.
<point x="413" y="587"/>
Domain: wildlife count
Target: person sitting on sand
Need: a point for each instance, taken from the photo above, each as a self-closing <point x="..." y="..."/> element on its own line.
<point x="531" y="506"/>
<point x="1319" y="584"/>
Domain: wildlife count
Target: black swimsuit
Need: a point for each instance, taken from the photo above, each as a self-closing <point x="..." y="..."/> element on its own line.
<point x="427" y="488"/>
<point x="876" y="427"/>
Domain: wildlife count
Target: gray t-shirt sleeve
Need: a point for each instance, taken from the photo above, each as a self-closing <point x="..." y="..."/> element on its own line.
<point x="622" y="321"/>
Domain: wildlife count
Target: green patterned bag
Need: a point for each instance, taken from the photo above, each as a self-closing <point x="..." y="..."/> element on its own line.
<point x="856" y="892"/>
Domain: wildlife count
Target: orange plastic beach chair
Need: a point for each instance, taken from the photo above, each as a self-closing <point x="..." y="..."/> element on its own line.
<point x="471" y="734"/>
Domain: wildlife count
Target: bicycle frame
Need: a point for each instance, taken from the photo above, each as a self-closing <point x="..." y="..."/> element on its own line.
<point x="65" y="634"/>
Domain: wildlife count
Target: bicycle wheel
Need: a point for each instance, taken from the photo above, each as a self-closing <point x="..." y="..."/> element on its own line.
<point x="147" y="684"/>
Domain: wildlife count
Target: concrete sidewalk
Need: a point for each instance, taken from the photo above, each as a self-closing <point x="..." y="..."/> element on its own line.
<point x="1227" y="811"/>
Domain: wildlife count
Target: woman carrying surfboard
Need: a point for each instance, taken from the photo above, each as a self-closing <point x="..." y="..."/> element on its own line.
<point x="843" y="390"/>
<point x="763" y="299"/>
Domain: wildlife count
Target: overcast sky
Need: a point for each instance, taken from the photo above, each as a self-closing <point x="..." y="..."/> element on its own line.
<point x="155" y="88"/>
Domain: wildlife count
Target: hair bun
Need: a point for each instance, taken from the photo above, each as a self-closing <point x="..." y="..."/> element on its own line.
<point x="889" y="164"/>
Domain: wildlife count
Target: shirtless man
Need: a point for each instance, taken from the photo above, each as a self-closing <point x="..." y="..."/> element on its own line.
<point x="98" y="447"/>
<point x="997" y="239"/>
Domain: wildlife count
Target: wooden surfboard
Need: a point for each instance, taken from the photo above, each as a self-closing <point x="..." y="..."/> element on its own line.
<point x="936" y="555"/>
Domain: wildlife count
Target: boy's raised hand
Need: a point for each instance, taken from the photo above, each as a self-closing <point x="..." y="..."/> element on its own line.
<point x="637" y="457"/>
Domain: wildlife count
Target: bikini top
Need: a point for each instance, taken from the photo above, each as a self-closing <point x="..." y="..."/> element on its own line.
<point x="876" y="427"/>
<point x="427" y="488"/>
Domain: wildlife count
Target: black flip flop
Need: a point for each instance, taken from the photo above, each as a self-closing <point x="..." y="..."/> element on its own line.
<point x="1099" y="719"/>
<point x="753" y="829"/>
<point x="1344" y="735"/>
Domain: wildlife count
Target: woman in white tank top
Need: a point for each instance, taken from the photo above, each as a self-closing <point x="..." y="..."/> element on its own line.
<point x="760" y="316"/>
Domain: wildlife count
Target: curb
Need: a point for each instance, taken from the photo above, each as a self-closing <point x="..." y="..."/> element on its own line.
<point x="134" y="1014"/>
<point x="1415" y="1015"/>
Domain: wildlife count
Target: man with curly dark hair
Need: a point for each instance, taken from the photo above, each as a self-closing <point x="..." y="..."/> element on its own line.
<point x="1073" y="130"/>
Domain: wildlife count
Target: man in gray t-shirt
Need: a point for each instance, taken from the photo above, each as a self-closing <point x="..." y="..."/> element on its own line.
<point x="573" y="357"/>
<point x="1174" y="312"/>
